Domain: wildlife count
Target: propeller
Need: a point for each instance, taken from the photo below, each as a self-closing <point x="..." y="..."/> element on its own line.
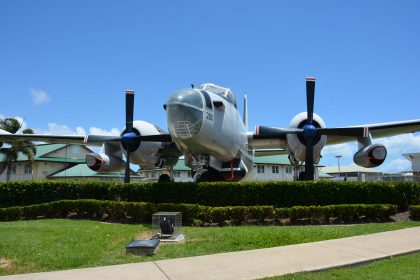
<point x="127" y="137"/>
<point x="309" y="130"/>
<point x="130" y="138"/>
<point x="309" y="133"/>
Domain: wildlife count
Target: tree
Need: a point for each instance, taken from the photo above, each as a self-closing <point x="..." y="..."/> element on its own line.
<point x="11" y="151"/>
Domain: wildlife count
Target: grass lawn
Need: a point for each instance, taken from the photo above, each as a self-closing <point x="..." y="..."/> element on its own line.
<point x="45" y="245"/>
<point x="402" y="267"/>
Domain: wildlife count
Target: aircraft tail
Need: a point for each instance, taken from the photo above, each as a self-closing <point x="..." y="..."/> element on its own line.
<point x="245" y="116"/>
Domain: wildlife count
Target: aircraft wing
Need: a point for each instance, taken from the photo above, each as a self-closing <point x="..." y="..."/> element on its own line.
<point x="263" y="142"/>
<point x="380" y="130"/>
<point x="269" y="152"/>
<point x="92" y="140"/>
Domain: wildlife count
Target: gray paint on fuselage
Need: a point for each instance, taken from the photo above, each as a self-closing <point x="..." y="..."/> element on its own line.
<point x="222" y="134"/>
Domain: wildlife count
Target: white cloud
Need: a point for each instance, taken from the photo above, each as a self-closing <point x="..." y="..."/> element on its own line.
<point x="395" y="166"/>
<point x="100" y="131"/>
<point x="345" y="150"/>
<point x="401" y="144"/>
<point x="80" y="131"/>
<point x="39" y="96"/>
<point x="60" y="129"/>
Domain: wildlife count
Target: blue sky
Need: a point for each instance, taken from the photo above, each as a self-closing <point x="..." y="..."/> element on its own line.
<point x="64" y="65"/>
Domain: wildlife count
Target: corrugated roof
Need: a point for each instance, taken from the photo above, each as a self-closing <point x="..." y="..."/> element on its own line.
<point x="82" y="170"/>
<point x="324" y="175"/>
<point x="277" y="159"/>
<point x="41" y="151"/>
<point x="180" y="165"/>
<point x="44" y="149"/>
<point x="348" y="169"/>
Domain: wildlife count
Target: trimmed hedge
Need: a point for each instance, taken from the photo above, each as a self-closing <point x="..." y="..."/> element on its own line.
<point x="415" y="212"/>
<point x="141" y="212"/>
<point x="277" y="194"/>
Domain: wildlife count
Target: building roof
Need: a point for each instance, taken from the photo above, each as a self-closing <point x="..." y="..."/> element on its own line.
<point x="324" y="175"/>
<point x="276" y="159"/>
<point x="82" y="170"/>
<point x="412" y="156"/>
<point x="42" y="151"/>
<point x="348" y="169"/>
<point x="180" y="165"/>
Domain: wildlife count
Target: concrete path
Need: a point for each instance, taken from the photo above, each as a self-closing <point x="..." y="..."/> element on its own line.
<point x="253" y="264"/>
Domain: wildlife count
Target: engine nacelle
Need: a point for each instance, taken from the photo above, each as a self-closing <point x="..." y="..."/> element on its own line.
<point x="296" y="143"/>
<point x="149" y="155"/>
<point x="370" y="156"/>
<point x="104" y="163"/>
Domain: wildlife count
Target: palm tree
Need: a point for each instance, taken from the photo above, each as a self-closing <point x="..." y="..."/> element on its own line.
<point x="11" y="152"/>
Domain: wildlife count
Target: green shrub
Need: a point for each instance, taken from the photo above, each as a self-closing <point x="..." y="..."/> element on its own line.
<point x="141" y="212"/>
<point x="415" y="212"/>
<point x="277" y="194"/>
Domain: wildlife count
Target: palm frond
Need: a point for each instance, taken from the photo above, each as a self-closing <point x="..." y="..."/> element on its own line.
<point x="11" y="125"/>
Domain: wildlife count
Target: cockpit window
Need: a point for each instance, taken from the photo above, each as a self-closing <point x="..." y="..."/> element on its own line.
<point x="222" y="91"/>
<point x="187" y="96"/>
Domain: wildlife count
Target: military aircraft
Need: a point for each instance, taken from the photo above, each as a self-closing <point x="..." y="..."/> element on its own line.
<point x="206" y="127"/>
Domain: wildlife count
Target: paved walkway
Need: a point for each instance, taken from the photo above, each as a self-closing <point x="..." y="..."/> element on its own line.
<point x="253" y="264"/>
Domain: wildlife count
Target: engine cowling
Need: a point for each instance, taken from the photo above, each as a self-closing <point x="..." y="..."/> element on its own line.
<point x="296" y="143"/>
<point x="370" y="156"/>
<point x="103" y="163"/>
<point x="149" y="155"/>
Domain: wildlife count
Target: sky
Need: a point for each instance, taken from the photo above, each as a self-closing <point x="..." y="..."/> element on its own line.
<point x="64" y="65"/>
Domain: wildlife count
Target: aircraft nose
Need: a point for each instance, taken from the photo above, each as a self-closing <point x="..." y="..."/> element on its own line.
<point x="189" y="97"/>
<point x="184" y="111"/>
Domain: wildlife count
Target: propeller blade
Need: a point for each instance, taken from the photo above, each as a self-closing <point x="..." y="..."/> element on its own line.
<point x="275" y="131"/>
<point x="310" y="96"/>
<point x="309" y="160"/>
<point x="362" y="131"/>
<point x="129" y="110"/>
<point x="127" y="168"/>
<point x="154" y="138"/>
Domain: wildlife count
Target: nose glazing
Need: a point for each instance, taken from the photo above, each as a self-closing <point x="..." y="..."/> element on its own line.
<point x="185" y="113"/>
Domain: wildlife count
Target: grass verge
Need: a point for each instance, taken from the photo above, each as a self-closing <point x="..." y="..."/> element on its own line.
<point x="45" y="245"/>
<point x="399" y="268"/>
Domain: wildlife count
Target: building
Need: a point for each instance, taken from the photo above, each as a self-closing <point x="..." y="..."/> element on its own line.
<point x="49" y="159"/>
<point x="68" y="161"/>
<point x="415" y="163"/>
<point x="59" y="161"/>
<point x="181" y="172"/>
<point x="410" y="175"/>
<point x="353" y="173"/>
<point x="267" y="168"/>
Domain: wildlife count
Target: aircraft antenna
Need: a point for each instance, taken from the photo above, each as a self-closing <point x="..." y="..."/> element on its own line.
<point x="245" y="116"/>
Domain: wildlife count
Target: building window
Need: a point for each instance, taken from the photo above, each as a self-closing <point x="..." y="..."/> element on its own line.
<point x="28" y="168"/>
<point x="13" y="169"/>
<point x="153" y="175"/>
<point x="75" y="149"/>
<point x="275" y="169"/>
<point x="289" y="170"/>
<point x="260" y="168"/>
<point x="189" y="174"/>
<point x="177" y="174"/>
